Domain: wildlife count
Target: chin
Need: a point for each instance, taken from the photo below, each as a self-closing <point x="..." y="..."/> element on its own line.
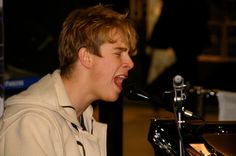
<point x="112" y="98"/>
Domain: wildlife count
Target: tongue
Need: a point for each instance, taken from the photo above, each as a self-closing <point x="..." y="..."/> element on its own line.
<point x="118" y="82"/>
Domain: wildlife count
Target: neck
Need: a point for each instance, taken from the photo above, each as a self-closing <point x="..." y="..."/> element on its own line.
<point x="78" y="94"/>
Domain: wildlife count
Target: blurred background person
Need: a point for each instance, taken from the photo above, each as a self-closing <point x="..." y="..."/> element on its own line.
<point x="183" y="27"/>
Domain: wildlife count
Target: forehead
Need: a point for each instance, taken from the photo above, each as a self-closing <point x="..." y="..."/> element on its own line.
<point x="125" y="37"/>
<point x="117" y="36"/>
<point x="117" y="43"/>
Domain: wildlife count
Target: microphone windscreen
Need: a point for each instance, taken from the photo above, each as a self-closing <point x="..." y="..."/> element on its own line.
<point x="134" y="93"/>
<point x="128" y="89"/>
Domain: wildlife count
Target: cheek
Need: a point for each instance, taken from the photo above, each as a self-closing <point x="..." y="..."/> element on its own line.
<point x="103" y="71"/>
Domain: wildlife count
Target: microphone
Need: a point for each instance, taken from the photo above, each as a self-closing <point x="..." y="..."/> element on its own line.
<point x="180" y="96"/>
<point x="178" y="81"/>
<point x="134" y="93"/>
<point x="178" y="85"/>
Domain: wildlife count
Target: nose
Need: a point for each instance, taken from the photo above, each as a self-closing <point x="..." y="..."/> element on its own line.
<point x="128" y="63"/>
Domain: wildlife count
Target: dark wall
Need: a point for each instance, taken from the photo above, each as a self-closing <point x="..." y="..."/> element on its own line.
<point x="32" y="29"/>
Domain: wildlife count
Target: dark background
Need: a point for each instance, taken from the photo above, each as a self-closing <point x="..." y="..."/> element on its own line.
<point x="32" y="29"/>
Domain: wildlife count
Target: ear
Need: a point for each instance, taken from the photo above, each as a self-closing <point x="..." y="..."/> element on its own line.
<point x="85" y="57"/>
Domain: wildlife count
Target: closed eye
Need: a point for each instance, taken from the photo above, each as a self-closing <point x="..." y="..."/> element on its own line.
<point x="117" y="53"/>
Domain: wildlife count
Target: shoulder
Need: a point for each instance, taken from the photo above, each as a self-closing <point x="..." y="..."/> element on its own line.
<point x="29" y="118"/>
<point x="31" y="131"/>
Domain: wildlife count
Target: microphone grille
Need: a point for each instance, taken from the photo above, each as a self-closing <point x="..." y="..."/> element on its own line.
<point x="178" y="80"/>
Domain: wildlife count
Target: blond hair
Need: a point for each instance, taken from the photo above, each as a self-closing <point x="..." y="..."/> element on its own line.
<point x="91" y="28"/>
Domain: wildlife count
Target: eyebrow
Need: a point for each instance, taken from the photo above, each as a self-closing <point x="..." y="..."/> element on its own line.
<point x="121" y="48"/>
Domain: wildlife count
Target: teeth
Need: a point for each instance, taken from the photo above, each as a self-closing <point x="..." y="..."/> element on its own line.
<point x="122" y="76"/>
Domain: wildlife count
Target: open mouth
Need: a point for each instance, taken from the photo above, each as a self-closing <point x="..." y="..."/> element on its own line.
<point x="118" y="80"/>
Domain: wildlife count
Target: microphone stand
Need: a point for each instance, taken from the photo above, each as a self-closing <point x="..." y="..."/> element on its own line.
<point x="179" y="97"/>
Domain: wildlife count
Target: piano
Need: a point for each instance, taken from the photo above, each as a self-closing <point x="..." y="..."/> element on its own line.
<point x="199" y="138"/>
